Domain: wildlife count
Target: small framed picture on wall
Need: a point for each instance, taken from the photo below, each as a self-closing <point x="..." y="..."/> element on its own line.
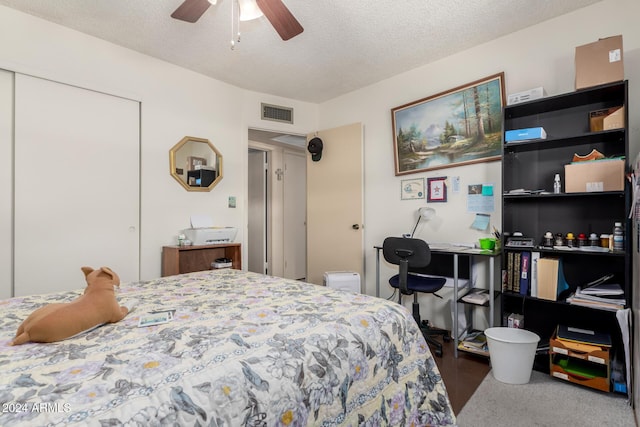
<point x="412" y="189"/>
<point x="437" y="189"/>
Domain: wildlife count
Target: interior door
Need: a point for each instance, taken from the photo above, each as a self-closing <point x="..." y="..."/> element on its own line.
<point x="294" y="214"/>
<point x="335" y="204"/>
<point x="257" y="220"/>
<point x="77" y="185"/>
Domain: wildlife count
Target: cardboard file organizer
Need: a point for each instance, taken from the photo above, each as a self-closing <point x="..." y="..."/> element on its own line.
<point x="606" y="119"/>
<point x="580" y="363"/>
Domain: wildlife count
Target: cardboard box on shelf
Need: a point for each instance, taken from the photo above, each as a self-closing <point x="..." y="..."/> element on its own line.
<point x="606" y="119"/>
<point x="593" y="176"/>
<point x="516" y="321"/>
<point x="599" y="62"/>
<point x="527" y="95"/>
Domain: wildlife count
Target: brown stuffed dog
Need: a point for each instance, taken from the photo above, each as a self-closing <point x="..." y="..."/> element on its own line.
<point x="56" y="322"/>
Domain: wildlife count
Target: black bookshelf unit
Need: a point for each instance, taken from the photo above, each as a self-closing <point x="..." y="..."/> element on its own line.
<point x="201" y="177"/>
<point x="532" y="165"/>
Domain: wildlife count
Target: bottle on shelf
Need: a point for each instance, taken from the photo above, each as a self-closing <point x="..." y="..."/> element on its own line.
<point x="618" y="237"/>
<point x="556" y="184"/>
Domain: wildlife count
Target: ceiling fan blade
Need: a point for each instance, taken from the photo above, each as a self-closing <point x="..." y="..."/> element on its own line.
<point x="281" y="18"/>
<point x="191" y="10"/>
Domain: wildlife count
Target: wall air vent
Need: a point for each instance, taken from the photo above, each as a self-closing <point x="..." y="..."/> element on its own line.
<point x="277" y="113"/>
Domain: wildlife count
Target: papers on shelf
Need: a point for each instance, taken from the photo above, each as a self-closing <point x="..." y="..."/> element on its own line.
<point x="523" y="191"/>
<point x="603" y="289"/>
<point x="609" y="296"/>
<point x="598" y="294"/>
<point x="477" y="296"/>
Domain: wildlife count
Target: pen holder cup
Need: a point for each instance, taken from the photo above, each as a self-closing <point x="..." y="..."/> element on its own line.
<point x="488" y="243"/>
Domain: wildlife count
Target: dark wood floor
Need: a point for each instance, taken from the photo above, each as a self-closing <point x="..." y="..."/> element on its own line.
<point x="462" y="375"/>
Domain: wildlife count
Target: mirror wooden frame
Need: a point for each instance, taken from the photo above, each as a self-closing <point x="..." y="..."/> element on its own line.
<point x="192" y="160"/>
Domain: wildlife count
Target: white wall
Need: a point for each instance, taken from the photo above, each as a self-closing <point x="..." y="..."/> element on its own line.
<point x="6" y="183"/>
<point x="175" y="103"/>
<point x="542" y="55"/>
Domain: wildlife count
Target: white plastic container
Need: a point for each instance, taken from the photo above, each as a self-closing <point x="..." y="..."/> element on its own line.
<point x="342" y="280"/>
<point x="512" y="352"/>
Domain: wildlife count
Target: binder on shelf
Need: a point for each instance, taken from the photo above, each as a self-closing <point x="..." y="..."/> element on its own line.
<point x="510" y="256"/>
<point x="525" y="268"/>
<point x="516" y="272"/>
<point x="533" y="267"/>
<point x="585" y="336"/>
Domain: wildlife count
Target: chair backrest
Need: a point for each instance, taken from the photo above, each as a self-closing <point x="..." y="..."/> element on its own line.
<point x="394" y="250"/>
<point x="406" y="253"/>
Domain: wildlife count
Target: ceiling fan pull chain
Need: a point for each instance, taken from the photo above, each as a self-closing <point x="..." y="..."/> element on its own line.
<point x="233" y="22"/>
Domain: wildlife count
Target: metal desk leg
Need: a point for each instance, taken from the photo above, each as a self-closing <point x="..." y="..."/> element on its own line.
<point x="378" y="272"/>
<point x="491" y="286"/>
<point x="455" y="306"/>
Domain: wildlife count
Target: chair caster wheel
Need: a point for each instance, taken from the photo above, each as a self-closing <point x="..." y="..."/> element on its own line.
<point x="446" y="338"/>
<point x="438" y="353"/>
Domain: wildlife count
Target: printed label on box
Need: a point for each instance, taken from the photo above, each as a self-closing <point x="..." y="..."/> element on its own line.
<point x="614" y="55"/>
<point x="595" y="186"/>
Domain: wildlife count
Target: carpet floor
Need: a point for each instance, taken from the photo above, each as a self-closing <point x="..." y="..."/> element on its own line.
<point x="545" y="401"/>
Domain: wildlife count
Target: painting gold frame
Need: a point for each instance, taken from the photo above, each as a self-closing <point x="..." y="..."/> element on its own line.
<point x="453" y="128"/>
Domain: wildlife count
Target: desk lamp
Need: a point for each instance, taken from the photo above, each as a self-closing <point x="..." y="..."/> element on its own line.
<point x="426" y="213"/>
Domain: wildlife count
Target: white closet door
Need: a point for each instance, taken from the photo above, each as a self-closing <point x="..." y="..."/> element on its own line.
<point x="77" y="185"/>
<point x="6" y="186"/>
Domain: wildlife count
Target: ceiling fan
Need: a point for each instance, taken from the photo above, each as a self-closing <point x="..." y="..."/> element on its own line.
<point x="276" y="12"/>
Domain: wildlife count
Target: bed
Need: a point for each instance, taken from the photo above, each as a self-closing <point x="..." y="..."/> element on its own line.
<point x="243" y="349"/>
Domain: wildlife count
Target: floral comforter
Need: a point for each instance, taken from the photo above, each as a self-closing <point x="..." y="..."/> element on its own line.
<point x="243" y="349"/>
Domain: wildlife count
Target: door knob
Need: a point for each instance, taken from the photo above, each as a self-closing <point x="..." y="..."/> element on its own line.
<point x="356" y="226"/>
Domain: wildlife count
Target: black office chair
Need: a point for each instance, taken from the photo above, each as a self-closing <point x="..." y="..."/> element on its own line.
<point x="412" y="254"/>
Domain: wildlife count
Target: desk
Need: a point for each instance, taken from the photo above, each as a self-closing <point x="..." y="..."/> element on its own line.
<point x="456" y="252"/>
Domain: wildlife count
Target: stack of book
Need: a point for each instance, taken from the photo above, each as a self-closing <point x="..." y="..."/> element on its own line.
<point x="605" y="296"/>
<point x="475" y="342"/>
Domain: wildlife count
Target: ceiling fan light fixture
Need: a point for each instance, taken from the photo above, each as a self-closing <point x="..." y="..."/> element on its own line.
<point x="249" y="10"/>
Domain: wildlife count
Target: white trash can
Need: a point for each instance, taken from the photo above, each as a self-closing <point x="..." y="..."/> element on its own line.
<point x="512" y="352"/>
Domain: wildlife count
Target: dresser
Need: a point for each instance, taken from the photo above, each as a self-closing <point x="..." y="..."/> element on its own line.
<point x="187" y="259"/>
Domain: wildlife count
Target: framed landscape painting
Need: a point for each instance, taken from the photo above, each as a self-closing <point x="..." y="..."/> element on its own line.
<point x="453" y="128"/>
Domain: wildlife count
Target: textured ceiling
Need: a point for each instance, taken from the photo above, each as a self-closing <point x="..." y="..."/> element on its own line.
<point x="346" y="44"/>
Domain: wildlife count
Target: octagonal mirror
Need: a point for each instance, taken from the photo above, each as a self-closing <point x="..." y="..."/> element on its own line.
<point x="196" y="164"/>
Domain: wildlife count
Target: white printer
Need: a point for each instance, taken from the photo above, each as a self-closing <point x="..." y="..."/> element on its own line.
<point x="202" y="232"/>
<point x="342" y="280"/>
<point x="210" y="235"/>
